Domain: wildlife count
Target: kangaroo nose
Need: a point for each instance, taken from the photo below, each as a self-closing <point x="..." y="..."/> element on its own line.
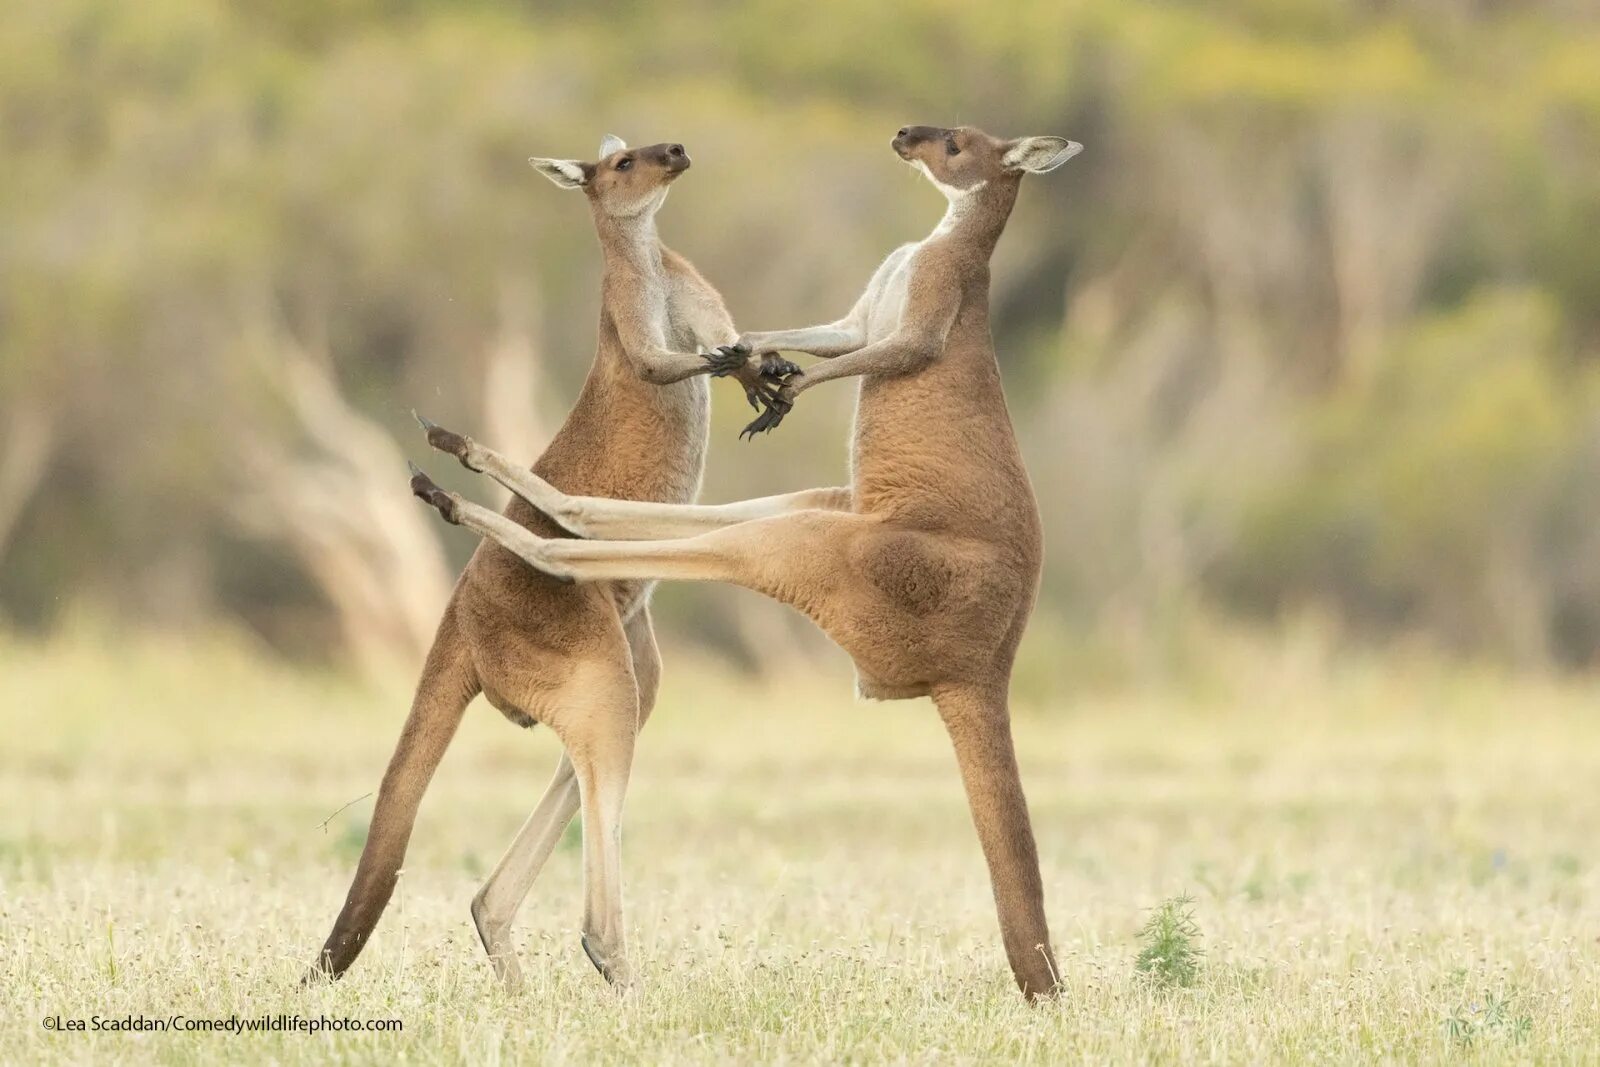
<point x="674" y="149"/>
<point x="903" y="131"/>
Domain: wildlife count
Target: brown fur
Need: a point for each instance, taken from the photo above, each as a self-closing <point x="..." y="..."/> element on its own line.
<point x="581" y="658"/>
<point x="925" y="572"/>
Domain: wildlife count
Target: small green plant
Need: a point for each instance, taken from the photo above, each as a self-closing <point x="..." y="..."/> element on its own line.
<point x="1170" y="951"/>
<point x="1499" y="1013"/>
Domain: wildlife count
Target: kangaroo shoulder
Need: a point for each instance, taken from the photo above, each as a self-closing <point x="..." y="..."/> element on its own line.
<point x="689" y="294"/>
<point x="681" y="274"/>
<point x="900" y="255"/>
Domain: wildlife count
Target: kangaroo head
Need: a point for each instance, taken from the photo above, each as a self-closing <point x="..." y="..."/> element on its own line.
<point x="963" y="158"/>
<point x="624" y="181"/>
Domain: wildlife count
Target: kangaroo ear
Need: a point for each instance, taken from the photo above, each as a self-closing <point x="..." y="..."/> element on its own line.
<point x="611" y="143"/>
<point x="567" y="173"/>
<point x="1039" y="154"/>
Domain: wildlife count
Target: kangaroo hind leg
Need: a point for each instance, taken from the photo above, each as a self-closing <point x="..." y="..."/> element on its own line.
<point x="979" y="724"/>
<point x="447" y="685"/>
<point x="495" y="907"/>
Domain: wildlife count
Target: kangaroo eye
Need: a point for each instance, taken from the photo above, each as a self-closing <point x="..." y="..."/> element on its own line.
<point x="952" y="148"/>
<point x="624" y="163"/>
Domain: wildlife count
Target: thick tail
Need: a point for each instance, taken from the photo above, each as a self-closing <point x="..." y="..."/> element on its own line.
<point x="448" y="684"/>
<point x="979" y="723"/>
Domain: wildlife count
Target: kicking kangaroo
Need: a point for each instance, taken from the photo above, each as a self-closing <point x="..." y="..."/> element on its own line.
<point x="580" y="658"/>
<point x="924" y="570"/>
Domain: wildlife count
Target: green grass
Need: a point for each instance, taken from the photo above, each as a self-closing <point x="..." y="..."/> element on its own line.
<point x="1387" y="863"/>
<point x="1170" y="952"/>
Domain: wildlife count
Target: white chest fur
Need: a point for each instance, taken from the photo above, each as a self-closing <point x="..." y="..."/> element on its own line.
<point x="886" y="293"/>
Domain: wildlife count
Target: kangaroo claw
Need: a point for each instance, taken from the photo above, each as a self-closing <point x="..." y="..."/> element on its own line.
<point x="725" y="359"/>
<point x="768" y="419"/>
<point x="775" y="367"/>
<point x="425" y="489"/>
<point x="446" y="441"/>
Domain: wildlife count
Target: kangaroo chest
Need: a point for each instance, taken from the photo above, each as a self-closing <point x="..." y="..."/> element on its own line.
<point x="886" y="303"/>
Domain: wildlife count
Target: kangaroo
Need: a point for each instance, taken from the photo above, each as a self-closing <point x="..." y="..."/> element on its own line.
<point x="581" y="658"/>
<point x="926" y="567"/>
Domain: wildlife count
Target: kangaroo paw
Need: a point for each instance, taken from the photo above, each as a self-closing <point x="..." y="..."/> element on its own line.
<point x="725" y="359"/>
<point x="775" y="367"/>
<point x="777" y="408"/>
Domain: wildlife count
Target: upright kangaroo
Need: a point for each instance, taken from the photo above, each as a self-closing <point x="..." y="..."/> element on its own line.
<point x="926" y="568"/>
<point x="581" y="658"/>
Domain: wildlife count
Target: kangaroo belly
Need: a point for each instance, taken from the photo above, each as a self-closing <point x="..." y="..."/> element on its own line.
<point x="630" y="440"/>
<point x="936" y="449"/>
<point x="624" y="439"/>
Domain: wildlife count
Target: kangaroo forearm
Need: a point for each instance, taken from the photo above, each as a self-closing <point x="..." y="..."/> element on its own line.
<point x="886" y="358"/>
<point x="660" y="367"/>
<point x="826" y="342"/>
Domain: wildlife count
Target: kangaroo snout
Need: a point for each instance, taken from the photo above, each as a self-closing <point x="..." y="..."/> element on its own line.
<point x="675" y="159"/>
<point x="909" y="137"/>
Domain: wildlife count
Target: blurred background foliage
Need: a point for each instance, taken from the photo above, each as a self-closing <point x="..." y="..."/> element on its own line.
<point x="1310" y="331"/>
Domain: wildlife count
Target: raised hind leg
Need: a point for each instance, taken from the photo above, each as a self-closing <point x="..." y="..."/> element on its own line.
<point x="798" y="558"/>
<point x="496" y="905"/>
<point x="600" y="517"/>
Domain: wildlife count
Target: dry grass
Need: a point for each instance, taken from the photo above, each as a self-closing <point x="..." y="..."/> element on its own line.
<point x="1386" y="865"/>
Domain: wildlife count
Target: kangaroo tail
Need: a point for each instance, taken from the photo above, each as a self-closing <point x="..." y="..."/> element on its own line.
<point x="447" y="685"/>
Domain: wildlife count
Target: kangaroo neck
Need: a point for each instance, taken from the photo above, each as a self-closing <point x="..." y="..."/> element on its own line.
<point x="975" y="218"/>
<point x="630" y="243"/>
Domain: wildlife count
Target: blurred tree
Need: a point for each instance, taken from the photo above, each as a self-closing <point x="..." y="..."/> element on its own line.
<point x="1314" y="320"/>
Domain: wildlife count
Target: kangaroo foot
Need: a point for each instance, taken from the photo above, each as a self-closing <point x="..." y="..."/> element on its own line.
<point x="613" y="966"/>
<point x="451" y="443"/>
<point x="502" y="955"/>
<point x="425" y="489"/>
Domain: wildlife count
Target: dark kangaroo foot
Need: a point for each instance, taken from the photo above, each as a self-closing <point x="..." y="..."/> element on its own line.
<point x="445" y="441"/>
<point x="319" y="973"/>
<point x="425" y="490"/>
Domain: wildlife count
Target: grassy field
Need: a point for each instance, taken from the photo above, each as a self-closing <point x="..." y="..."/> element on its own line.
<point x="1386" y="863"/>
